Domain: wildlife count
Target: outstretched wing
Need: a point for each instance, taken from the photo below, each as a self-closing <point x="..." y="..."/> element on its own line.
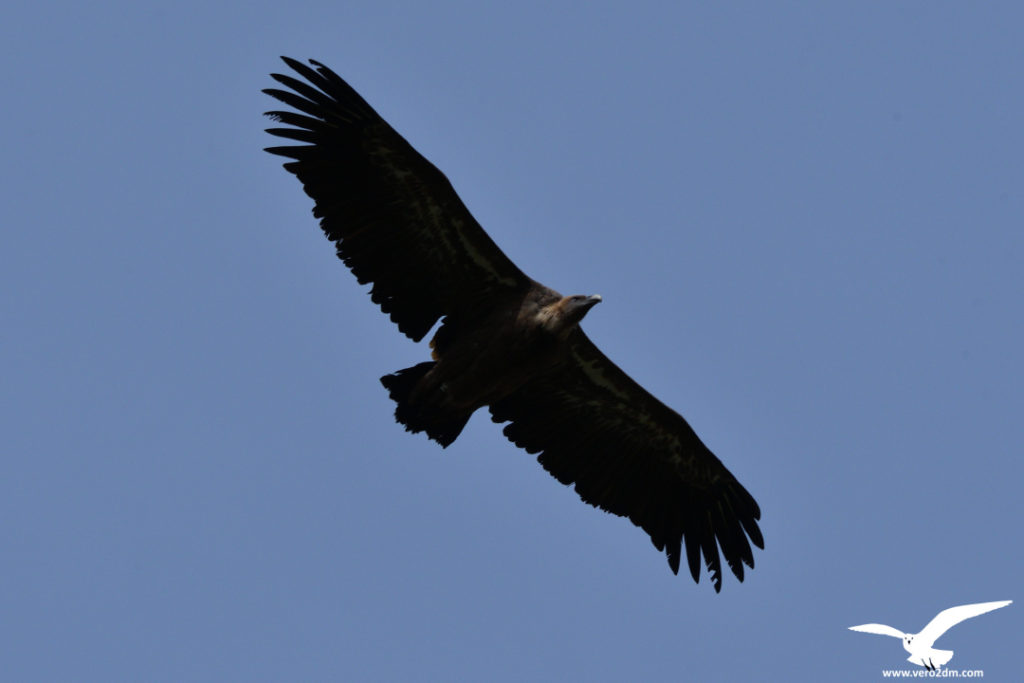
<point x="395" y="218"/>
<point x="630" y="454"/>
<point x="880" y="629"/>
<point x="948" y="618"/>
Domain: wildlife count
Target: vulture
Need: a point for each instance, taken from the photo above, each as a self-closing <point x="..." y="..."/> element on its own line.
<point x="505" y="342"/>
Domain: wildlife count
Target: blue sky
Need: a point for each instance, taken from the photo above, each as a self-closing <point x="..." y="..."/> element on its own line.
<point x="807" y="224"/>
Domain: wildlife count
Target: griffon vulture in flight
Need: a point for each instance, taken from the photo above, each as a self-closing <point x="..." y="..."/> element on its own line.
<point x="506" y="342"/>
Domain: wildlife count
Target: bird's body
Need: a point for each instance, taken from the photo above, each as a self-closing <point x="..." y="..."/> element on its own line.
<point x="919" y="645"/>
<point x="928" y="657"/>
<point x="506" y="342"/>
<point x="488" y="360"/>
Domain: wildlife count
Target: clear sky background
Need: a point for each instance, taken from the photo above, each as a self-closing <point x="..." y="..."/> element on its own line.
<point x="807" y="223"/>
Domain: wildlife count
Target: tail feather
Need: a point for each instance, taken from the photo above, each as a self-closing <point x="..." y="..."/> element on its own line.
<point x="417" y="412"/>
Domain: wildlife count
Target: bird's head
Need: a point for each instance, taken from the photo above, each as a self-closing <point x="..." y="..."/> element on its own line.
<point x="565" y="314"/>
<point x="576" y="306"/>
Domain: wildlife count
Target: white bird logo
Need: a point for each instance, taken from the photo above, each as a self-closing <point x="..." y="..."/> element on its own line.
<point x="919" y="645"/>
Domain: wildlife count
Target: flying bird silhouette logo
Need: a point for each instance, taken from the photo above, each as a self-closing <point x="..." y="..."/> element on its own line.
<point x="919" y="645"/>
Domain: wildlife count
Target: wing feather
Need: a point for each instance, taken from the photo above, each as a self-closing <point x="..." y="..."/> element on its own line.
<point x="948" y="618"/>
<point x="631" y="455"/>
<point x="879" y="629"/>
<point x="394" y="217"/>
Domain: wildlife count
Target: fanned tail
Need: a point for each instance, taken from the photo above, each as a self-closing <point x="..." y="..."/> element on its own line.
<point x="415" y="408"/>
